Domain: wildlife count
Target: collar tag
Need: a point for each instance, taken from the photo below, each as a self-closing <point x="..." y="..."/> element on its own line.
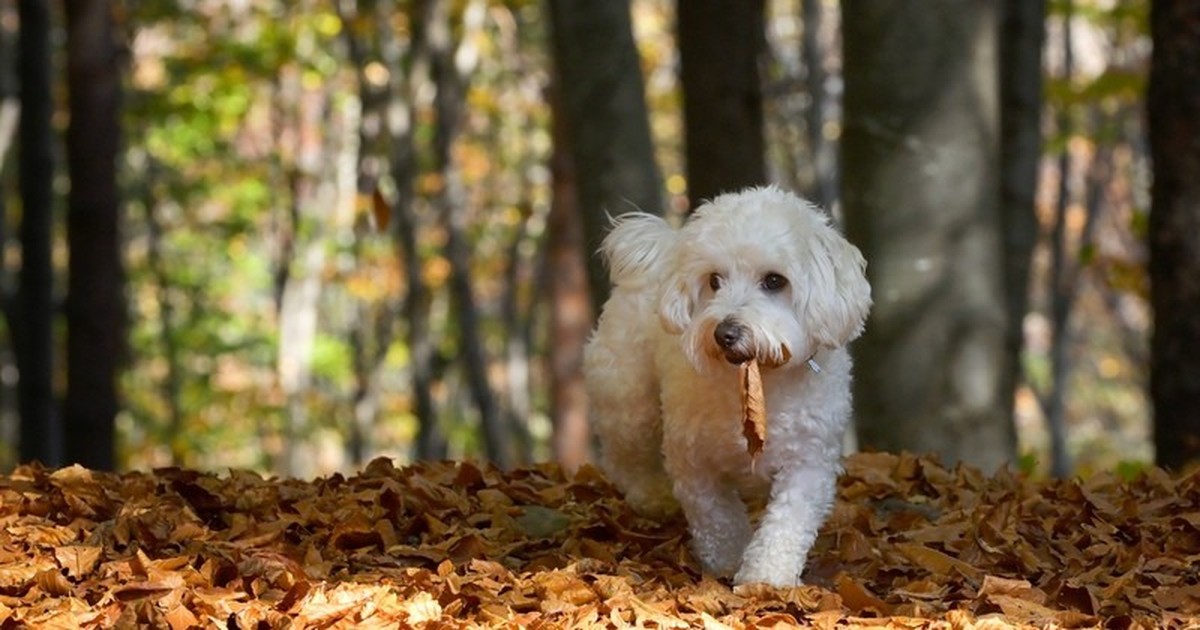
<point x="812" y="364"/>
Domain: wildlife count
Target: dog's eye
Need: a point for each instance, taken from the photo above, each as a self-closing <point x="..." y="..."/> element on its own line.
<point x="714" y="281"/>
<point x="773" y="283"/>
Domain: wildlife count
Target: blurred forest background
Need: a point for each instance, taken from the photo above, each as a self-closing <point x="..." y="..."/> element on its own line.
<point x="292" y="236"/>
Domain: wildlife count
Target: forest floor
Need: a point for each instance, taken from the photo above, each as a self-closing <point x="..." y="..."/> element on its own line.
<point x="910" y="544"/>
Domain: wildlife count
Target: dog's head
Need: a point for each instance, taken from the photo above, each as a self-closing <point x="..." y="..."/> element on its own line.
<point x="761" y="274"/>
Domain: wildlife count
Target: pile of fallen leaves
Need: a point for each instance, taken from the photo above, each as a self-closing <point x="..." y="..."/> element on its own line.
<point x="910" y="544"/>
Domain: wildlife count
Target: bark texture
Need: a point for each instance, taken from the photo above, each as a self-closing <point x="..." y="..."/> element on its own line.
<point x="720" y="42"/>
<point x="570" y="309"/>
<point x="1173" y="107"/>
<point x="95" y="305"/>
<point x="32" y="323"/>
<point x="604" y="108"/>
<point x="1023" y="34"/>
<point x="921" y="192"/>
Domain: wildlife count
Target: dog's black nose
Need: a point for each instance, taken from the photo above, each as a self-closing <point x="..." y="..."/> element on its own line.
<point x="728" y="333"/>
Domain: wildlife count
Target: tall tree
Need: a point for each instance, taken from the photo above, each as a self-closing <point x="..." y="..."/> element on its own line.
<point x="451" y="83"/>
<point x="1061" y="284"/>
<point x="32" y="324"/>
<point x="1173" y="108"/>
<point x="1023" y="33"/>
<point x="363" y="23"/>
<point x="321" y="137"/>
<point x="824" y="155"/>
<point x="95" y="305"/>
<point x="571" y="313"/>
<point x="921" y="190"/>
<point x="402" y="120"/>
<point x="597" y="67"/>
<point x="720" y="45"/>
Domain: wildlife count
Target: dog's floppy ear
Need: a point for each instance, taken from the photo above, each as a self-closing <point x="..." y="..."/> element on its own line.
<point x="675" y="304"/>
<point x="637" y="250"/>
<point x="838" y="297"/>
<point x="635" y="247"/>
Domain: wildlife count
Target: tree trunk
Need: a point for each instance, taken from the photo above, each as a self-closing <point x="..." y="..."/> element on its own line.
<point x="374" y="323"/>
<point x="32" y="325"/>
<point x="1173" y="108"/>
<point x="95" y="306"/>
<point x="422" y="349"/>
<point x="516" y="320"/>
<point x="297" y="339"/>
<point x="1060" y="292"/>
<point x="1063" y="290"/>
<point x="1020" y="154"/>
<point x="720" y="44"/>
<point x="921" y="192"/>
<point x="450" y="81"/>
<point x="312" y="193"/>
<point x="598" y="69"/>
<point x="824" y="155"/>
<point x="570" y="309"/>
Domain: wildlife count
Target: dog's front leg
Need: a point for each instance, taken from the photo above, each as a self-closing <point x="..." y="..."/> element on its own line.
<point x="801" y="499"/>
<point x="717" y="520"/>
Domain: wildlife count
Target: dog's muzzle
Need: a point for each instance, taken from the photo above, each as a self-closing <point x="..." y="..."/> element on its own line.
<point x="730" y="336"/>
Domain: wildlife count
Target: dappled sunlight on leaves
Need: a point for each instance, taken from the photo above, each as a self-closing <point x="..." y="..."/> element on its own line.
<point x="910" y="544"/>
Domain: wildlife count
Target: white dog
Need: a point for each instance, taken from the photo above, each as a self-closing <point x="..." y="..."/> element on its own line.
<point x="760" y="275"/>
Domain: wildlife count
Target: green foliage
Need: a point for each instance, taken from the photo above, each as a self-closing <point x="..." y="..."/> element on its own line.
<point x="1027" y="464"/>
<point x="240" y="116"/>
<point x="1139" y="223"/>
<point x="1114" y="85"/>
<point x="1131" y="471"/>
<point x="198" y="121"/>
<point x="239" y="120"/>
<point x="332" y="361"/>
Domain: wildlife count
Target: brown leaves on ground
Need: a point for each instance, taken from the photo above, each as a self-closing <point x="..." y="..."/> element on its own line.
<point x="910" y="544"/>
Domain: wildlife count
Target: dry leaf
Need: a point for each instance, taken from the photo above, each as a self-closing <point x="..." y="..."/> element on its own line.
<point x="754" y="408"/>
<point x="453" y="545"/>
<point x="381" y="210"/>
<point x="52" y="582"/>
<point x="1020" y="589"/>
<point x="937" y="562"/>
<point x="858" y="598"/>
<point x="78" y="560"/>
<point x="180" y="618"/>
<point x="422" y="608"/>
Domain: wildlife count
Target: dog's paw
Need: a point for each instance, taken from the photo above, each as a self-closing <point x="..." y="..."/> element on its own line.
<point x="751" y="574"/>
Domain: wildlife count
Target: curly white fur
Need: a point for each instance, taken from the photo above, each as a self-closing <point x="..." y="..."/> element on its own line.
<point x="757" y="274"/>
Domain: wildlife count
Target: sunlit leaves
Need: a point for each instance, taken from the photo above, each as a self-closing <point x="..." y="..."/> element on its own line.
<point x="331" y="359"/>
<point x="1113" y="84"/>
<point x="204" y="166"/>
<point x="909" y="544"/>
